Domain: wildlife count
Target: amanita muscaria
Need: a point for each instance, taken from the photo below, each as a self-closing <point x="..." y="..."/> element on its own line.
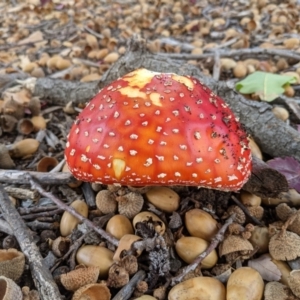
<point x="150" y="128"/>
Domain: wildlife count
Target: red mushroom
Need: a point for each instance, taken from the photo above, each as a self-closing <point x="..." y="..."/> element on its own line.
<point x="150" y="128"/>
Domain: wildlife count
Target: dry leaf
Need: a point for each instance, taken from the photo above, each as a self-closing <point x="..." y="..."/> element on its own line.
<point x="266" y="268"/>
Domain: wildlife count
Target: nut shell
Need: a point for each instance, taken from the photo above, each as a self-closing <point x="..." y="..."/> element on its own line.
<point x="130" y="204"/>
<point x="188" y="248"/>
<point x="77" y="278"/>
<point x="277" y="291"/>
<point x="12" y="263"/>
<point x="245" y="284"/>
<point x="24" y="147"/>
<point x="201" y="224"/>
<point x="69" y="222"/>
<point x="198" y="288"/>
<point x="125" y="244"/>
<point x="294" y="282"/>
<point x="118" y="226"/>
<point x="146" y="216"/>
<point x="260" y="239"/>
<point x="96" y="256"/>
<point x="106" y="202"/>
<point x="46" y="164"/>
<point x="234" y="243"/>
<point x="163" y="198"/>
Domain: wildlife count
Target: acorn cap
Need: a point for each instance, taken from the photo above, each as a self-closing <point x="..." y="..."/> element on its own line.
<point x="283" y="211"/>
<point x="294" y="282"/>
<point x="240" y="216"/>
<point x="93" y="291"/>
<point x="30" y="294"/>
<point x="234" y="243"/>
<point x="9" y="289"/>
<point x="130" y="204"/>
<point x="79" y="277"/>
<point x="46" y="164"/>
<point x="277" y="291"/>
<point x="12" y="263"/>
<point x="285" y="245"/>
<point x="106" y="202"/>
<point x="117" y="276"/>
<point x="256" y="211"/>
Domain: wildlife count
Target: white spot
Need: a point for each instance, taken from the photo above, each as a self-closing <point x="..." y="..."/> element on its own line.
<point x="172" y="98"/>
<point x="110" y="87"/>
<point x="133" y="152"/>
<point x="121" y="149"/>
<point x="138" y="179"/>
<point x="240" y="167"/>
<point x="105" y="146"/>
<point x="148" y="162"/>
<point x="194" y="175"/>
<point x="142" y="115"/>
<point x="199" y="160"/>
<point x="175" y="113"/>
<point x="101" y="106"/>
<point x="163" y="143"/>
<point x="181" y="95"/>
<point x="175" y="157"/>
<point x="72" y="152"/>
<point x="168" y="119"/>
<point x="161" y="175"/>
<point x="207" y="171"/>
<point x="232" y="177"/>
<point x="127" y="169"/>
<point x="157" y="112"/>
<point x="158" y="129"/>
<point x="177" y="174"/>
<point x="217" y="161"/>
<point x="145" y="123"/>
<point x="111" y="134"/>
<point x="201" y="116"/>
<point x="218" y="179"/>
<point x="68" y="144"/>
<point x="99" y="129"/>
<point x="95" y="141"/>
<point x="199" y="101"/>
<point x="175" y="130"/>
<point x="109" y="165"/>
<point x="125" y="103"/>
<point x="189" y="164"/>
<point x="88" y="120"/>
<point x="84" y="158"/>
<point x="101" y="157"/>
<point x="214" y="117"/>
<point x="134" y="136"/>
<point x="209" y="149"/>
<point x="150" y="142"/>
<point x="116" y="114"/>
<point x="197" y="135"/>
<point x="77" y="130"/>
<point x="147" y="104"/>
<point x="96" y="166"/>
<point x="127" y="122"/>
<point x="136" y="105"/>
<point x="183" y="147"/>
<point x="160" y="158"/>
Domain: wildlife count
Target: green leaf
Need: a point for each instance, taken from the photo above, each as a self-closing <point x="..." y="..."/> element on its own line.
<point x="267" y="86"/>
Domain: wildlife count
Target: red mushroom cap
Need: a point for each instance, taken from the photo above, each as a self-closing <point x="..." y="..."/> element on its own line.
<point x="150" y="128"/>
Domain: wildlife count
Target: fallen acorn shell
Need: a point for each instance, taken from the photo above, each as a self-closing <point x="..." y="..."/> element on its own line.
<point x="124" y="244"/>
<point x="163" y="198"/>
<point x="60" y="246"/>
<point x="277" y="291"/>
<point x="118" y="226"/>
<point x="93" y="291"/>
<point x="117" y="276"/>
<point x="46" y="164"/>
<point x="25" y="126"/>
<point x="245" y="284"/>
<point x="106" y="202"/>
<point x="291" y="196"/>
<point x="9" y="289"/>
<point x="234" y="243"/>
<point x="38" y="122"/>
<point x="69" y="222"/>
<point x="260" y="239"/>
<point x="189" y="248"/>
<point x="249" y="199"/>
<point x="146" y="216"/>
<point x="24" y="147"/>
<point x="79" y="277"/>
<point x="198" y="288"/>
<point x="201" y="224"/>
<point x="96" y="256"/>
<point x="12" y="263"/>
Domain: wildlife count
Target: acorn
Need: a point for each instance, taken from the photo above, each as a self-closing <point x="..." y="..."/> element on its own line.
<point x="118" y="226"/>
<point x="96" y="256"/>
<point x="198" y="288"/>
<point x="249" y="199"/>
<point x="245" y="284"/>
<point x="163" y="198"/>
<point x="69" y="222"/>
<point x="93" y="291"/>
<point x="201" y="224"/>
<point x="24" y="148"/>
<point x="125" y="244"/>
<point x="38" y="122"/>
<point x="12" y="263"/>
<point x="188" y="248"/>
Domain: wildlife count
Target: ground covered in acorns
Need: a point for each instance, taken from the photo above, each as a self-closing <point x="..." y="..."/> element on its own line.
<point x="79" y="40"/>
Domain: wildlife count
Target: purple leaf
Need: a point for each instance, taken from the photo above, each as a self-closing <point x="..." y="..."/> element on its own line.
<point x="290" y="168"/>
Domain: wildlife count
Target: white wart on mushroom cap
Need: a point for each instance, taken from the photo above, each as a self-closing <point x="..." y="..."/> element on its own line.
<point x="150" y="128"/>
